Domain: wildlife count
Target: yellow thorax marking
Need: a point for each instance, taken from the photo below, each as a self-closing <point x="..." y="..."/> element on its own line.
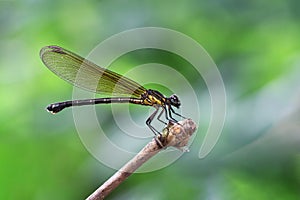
<point x="151" y="100"/>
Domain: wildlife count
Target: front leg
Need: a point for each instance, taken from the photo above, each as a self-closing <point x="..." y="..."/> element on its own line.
<point x="171" y="110"/>
<point x="160" y="114"/>
<point x="150" y="119"/>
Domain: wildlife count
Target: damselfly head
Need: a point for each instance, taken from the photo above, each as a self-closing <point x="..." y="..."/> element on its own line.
<point x="174" y="100"/>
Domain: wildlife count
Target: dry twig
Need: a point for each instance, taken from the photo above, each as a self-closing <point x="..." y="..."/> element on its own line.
<point x="176" y="135"/>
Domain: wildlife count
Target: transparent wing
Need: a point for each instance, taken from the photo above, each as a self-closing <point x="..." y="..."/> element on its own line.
<point x="87" y="75"/>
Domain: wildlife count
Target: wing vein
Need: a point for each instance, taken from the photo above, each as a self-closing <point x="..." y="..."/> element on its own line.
<point x="87" y="75"/>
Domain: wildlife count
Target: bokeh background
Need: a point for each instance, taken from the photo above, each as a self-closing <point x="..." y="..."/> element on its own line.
<point x="256" y="47"/>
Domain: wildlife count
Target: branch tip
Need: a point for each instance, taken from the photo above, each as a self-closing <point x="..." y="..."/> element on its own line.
<point x="175" y="134"/>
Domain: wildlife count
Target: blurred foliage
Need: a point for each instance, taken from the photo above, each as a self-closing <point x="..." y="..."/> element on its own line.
<point x="256" y="47"/>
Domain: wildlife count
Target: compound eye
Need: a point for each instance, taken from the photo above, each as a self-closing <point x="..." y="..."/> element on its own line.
<point x="175" y="100"/>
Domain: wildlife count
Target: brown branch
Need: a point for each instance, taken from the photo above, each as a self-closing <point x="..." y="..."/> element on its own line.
<point x="176" y="135"/>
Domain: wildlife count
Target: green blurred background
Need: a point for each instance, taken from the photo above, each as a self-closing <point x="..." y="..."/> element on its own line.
<point x="256" y="46"/>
